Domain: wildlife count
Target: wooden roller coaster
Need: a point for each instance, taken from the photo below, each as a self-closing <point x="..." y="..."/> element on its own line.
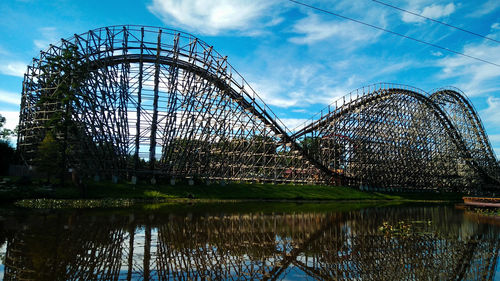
<point x="133" y="101"/>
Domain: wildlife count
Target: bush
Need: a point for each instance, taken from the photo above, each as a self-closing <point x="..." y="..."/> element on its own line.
<point x="49" y="157"/>
<point x="6" y="157"/>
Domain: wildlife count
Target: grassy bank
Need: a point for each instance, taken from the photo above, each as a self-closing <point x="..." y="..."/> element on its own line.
<point x="13" y="191"/>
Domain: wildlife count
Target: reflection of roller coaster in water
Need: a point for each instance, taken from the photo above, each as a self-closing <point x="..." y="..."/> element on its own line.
<point x="432" y="243"/>
<point x="138" y="101"/>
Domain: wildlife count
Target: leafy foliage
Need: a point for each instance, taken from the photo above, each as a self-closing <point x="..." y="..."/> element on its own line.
<point x="6" y="151"/>
<point x="7" y="156"/>
<point x="61" y="90"/>
<point x="49" y="156"/>
<point x="4" y="133"/>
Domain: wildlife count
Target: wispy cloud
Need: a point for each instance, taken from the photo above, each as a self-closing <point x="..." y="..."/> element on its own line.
<point x="301" y="86"/>
<point x="485" y="8"/>
<point x="14" y="68"/>
<point x="494" y="138"/>
<point x="436" y="53"/>
<point x="491" y="118"/>
<point x="3" y="51"/>
<point x="272" y="93"/>
<point x="49" y="35"/>
<point x="491" y="114"/>
<point x="476" y="77"/>
<point x="213" y="17"/>
<point x="294" y="124"/>
<point x="433" y="11"/>
<point x="309" y="89"/>
<point x="496" y="150"/>
<point x="313" y="29"/>
<point x="10" y="98"/>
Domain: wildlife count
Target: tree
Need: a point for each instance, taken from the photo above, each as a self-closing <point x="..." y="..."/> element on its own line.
<point x="4" y="133"/>
<point x="61" y="79"/>
<point x="6" y="150"/>
<point x="188" y="155"/>
<point x="6" y="156"/>
<point x="328" y="148"/>
<point x="312" y="146"/>
<point x="49" y="156"/>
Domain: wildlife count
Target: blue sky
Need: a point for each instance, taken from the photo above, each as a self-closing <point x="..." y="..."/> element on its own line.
<point x="298" y="60"/>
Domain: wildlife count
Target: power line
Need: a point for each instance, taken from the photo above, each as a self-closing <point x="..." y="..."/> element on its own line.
<point x="436" y="21"/>
<point x="393" y="32"/>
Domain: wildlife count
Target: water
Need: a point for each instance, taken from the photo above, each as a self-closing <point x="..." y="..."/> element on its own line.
<point x="247" y="241"/>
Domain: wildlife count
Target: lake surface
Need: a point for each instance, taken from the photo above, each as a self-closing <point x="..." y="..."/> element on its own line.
<point x="247" y="241"/>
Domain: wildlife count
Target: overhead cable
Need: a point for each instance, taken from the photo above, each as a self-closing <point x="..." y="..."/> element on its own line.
<point x="436" y="21"/>
<point x="395" y="33"/>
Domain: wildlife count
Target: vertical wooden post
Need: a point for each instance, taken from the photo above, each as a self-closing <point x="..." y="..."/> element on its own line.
<point x="154" y="125"/>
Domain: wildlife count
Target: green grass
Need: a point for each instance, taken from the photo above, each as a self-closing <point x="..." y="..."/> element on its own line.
<point x="233" y="191"/>
<point x="245" y="191"/>
<point x="273" y="192"/>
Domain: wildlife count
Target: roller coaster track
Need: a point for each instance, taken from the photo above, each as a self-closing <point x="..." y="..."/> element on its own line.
<point x="436" y="103"/>
<point x="144" y="101"/>
<point x="466" y="111"/>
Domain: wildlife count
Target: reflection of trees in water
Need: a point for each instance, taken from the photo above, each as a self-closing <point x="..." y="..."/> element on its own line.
<point x="64" y="248"/>
<point x="255" y="246"/>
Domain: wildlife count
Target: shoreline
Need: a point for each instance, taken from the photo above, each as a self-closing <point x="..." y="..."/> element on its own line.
<point x="15" y="191"/>
<point x="47" y="203"/>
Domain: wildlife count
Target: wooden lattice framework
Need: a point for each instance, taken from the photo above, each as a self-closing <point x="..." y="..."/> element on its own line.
<point x="390" y="135"/>
<point x="255" y="246"/>
<point x="145" y="101"/>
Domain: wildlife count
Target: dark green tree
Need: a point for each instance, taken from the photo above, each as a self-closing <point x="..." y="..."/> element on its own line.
<point x="187" y="153"/>
<point x="312" y="146"/>
<point x="4" y="132"/>
<point x="6" y="150"/>
<point x="61" y="80"/>
<point x="49" y="156"/>
<point x="6" y="155"/>
<point x="325" y="148"/>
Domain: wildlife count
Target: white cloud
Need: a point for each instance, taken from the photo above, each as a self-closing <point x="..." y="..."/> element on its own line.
<point x="11" y="118"/>
<point x="437" y="53"/>
<point x="476" y="77"/>
<point x="299" y="86"/>
<point x="329" y="95"/>
<point x="290" y="84"/>
<point x="494" y="138"/>
<point x="438" y="11"/>
<point x="9" y="97"/>
<point x="491" y="114"/>
<point x="491" y="118"/>
<point x="496" y="150"/>
<point x="15" y="68"/>
<point x="271" y="93"/>
<point x="433" y="11"/>
<point x="313" y="29"/>
<point x="484" y="9"/>
<point x="390" y="67"/>
<point x="212" y="17"/>
<point x="50" y="35"/>
<point x="295" y="124"/>
<point x="496" y="26"/>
